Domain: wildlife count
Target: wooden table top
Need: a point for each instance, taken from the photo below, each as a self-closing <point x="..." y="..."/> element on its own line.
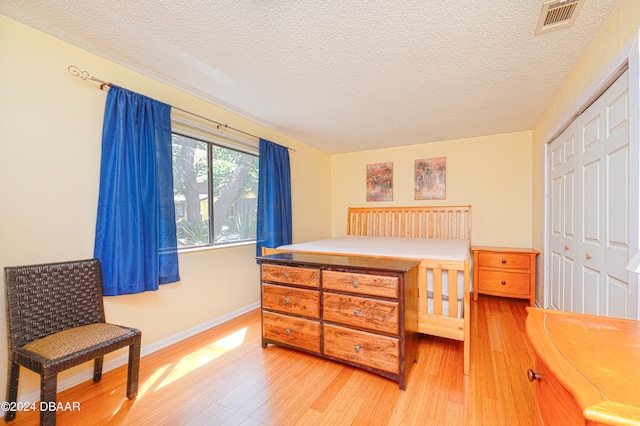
<point x="597" y="359"/>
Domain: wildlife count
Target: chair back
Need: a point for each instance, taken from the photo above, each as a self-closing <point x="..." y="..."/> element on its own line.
<point x="47" y="298"/>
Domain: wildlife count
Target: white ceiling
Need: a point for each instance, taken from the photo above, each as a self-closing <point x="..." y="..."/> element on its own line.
<point x="340" y="75"/>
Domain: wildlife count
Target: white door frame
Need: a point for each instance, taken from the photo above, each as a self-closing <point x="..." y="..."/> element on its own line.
<point x="627" y="58"/>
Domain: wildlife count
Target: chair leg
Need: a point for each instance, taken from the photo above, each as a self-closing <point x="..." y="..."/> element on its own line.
<point x="133" y="370"/>
<point x="12" y="389"/>
<point x="48" y="394"/>
<point x="97" y="369"/>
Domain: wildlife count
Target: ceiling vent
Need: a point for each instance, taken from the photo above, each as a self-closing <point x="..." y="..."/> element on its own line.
<point x="558" y="14"/>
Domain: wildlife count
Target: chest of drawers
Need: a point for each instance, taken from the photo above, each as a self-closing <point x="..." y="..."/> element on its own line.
<point x="355" y="310"/>
<point x="586" y="368"/>
<point x="505" y="271"/>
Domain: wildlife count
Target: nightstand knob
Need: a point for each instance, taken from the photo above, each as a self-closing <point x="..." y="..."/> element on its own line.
<point x="286" y="275"/>
<point x="355" y="283"/>
<point x="356" y="348"/>
<point x="531" y="375"/>
<point x="503" y="283"/>
<point x="287" y="331"/>
<point x="356" y="313"/>
<point x="287" y="300"/>
<point x="504" y="261"/>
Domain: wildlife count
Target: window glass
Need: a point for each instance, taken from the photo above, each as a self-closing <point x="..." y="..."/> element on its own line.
<point x="215" y="193"/>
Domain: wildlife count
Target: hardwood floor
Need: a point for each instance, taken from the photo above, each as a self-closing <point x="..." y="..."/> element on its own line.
<point x="224" y="377"/>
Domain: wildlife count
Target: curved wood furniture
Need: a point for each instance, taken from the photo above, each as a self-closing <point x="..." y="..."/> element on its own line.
<point x="587" y="368"/>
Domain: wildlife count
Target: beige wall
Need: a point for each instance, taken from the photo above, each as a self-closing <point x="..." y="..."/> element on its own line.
<point x="490" y="173"/>
<point x="50" y="133"/>
<point x="620" y="28"/>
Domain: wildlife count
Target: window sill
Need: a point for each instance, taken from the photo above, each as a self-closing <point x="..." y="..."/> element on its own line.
<point x="216" y="247"/>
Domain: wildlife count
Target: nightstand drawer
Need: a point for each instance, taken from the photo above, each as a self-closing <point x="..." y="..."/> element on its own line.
<point x="362" y="348"/>
<point x="504" y="260"/>
<point x="291" y="300"/>
<point x="376" y="315"/>
<point x="374" y="285"/>
<point x="298" y="332"/>
<point x="507" y="283"/>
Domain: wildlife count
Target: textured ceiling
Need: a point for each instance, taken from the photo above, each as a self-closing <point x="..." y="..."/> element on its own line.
<point x="340" y="75"/>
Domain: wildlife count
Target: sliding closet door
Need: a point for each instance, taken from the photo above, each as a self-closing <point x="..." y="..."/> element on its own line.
<point x="562" y="221"/>
<point x="603" y="183"/>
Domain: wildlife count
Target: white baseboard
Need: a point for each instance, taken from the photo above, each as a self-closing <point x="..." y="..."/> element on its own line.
<point x="121" y="360"/>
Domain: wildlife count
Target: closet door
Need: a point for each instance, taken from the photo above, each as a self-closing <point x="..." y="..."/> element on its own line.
<point x="588" y="209"/>
<point x="562" y="226"/>
<point x="602" y="200"/>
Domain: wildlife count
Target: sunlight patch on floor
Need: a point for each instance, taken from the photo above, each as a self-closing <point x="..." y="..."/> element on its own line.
<point x="194" y="360"/>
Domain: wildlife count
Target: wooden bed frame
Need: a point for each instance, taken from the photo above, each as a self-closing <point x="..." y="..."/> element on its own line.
<point x="424" y="222"/>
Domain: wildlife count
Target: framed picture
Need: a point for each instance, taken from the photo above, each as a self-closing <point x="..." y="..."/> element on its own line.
<point x="380" y="182"/>
<point x="430" y="179"/>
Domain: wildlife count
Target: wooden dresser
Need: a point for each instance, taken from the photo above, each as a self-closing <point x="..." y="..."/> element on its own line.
<point x="504" y="271"/>
<point x="587" y="368"/>
<point x="355" y="310"/>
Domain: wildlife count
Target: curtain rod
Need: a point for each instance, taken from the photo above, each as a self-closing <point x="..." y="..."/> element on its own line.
<point x="85" y="75"/>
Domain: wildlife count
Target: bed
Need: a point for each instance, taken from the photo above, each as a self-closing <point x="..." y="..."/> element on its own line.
<point x="439" y="236"/>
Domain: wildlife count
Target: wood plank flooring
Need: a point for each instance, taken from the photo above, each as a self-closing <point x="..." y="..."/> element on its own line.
<point x="224" y="377"/>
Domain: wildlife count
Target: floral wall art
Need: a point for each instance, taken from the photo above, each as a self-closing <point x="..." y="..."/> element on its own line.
<point x="430" y="179"/>
<point x="380" y="182"/>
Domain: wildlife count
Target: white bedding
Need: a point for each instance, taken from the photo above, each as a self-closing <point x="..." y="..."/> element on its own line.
<point x="413" y="248"/>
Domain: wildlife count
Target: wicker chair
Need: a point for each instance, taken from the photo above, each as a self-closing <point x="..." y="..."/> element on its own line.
<point x="55" y="320"/>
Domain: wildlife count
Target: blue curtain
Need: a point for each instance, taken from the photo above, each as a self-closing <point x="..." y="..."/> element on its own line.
<point x="274" y="197"/>
<point x="136" y="229"/>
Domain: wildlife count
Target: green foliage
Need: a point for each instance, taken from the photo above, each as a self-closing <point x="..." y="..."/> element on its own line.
<point x="245" y="220"/>
<point x="225" y="163"/>
<point x="192" y="233"/>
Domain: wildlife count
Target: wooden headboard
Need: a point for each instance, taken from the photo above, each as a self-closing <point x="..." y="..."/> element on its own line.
<point x="416" y="222"/>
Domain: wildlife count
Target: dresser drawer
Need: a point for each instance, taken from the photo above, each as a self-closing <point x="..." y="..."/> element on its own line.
<point x="298" y="332"/>
<point x="362" y="348"/>
<point x="291" y="300"/>
<point x="291" y="275"/>
<point x="506" y="283"/>
<point x="375" y="285"/>
<point x="504" y="260"/>
<point x="376" y="315"/>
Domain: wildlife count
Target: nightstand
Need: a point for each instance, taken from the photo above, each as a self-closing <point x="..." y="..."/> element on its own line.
<point x="505" y="271"/>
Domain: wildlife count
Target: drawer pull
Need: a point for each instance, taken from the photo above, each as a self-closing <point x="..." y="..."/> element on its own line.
<point x="503" y="283"/>
<point x="356" y="313"/>
<point x="287" y="331"/>
<point x="286" y="275"/>
<point x="287" y="300"/>
<point x="355" y="283"/>
<point x="588" y="256"/>
<point x="504" y="261"/>
<point x="566" y="248"/>
<point x="356" y="348"/>
<point x="531" y="375"/>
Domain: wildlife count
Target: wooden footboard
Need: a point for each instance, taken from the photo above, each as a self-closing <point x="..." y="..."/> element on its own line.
<point x="424" y="222"/>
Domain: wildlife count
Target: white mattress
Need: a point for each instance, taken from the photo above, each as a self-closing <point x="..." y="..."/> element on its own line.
<point x="413" y="248"/>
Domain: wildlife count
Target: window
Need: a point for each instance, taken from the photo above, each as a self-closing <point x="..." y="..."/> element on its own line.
<point x="215" y="192"/>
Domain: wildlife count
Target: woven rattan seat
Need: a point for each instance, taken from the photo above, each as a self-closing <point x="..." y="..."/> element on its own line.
<point x="56" y="321"/>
